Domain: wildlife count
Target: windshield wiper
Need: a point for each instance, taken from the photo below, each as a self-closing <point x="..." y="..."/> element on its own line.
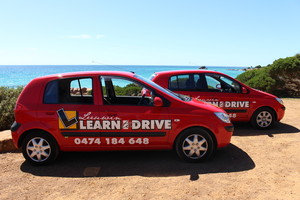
<point x="183" y="97"/>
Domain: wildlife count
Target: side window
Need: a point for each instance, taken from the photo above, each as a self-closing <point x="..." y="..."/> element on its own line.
<point x="69" y="91"/>
<point x="219" y="83"/>
<point x="122" y="91"/>
<point x="81" y="87"/>
<point x="200" y="82"/>
<point x="187" y="82"/>
<point x="173" y="83"/>
<point x="51" y="95"/>
<point x="125" y="88"/>
<point x="182" y="82"/>
<point x="231" y="85"/>
<point x="213" y="84"/>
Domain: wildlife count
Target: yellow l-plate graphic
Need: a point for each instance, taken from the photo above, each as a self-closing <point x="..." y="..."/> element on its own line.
<point x="67" y="119"/>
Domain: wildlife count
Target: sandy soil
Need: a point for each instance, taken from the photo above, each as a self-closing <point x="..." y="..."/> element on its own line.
<point x="257" y="165"/>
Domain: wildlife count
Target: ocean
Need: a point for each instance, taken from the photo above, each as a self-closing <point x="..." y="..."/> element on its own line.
<point x="20" y="75"/>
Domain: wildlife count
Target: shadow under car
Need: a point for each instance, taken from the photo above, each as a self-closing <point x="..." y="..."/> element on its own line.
<point x="141" y="163"/>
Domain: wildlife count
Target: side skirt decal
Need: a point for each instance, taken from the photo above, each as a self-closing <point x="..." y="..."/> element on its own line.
<point x="113" y="134"/>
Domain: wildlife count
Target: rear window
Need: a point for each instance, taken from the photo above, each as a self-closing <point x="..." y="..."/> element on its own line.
<point x="69" y="91"/>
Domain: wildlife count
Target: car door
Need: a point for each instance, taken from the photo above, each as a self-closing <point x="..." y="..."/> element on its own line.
<point x="226" y="93"/>
<point x="65" y="102"/>
<point x="140" y="125"/>
<point x="213" y="88"/>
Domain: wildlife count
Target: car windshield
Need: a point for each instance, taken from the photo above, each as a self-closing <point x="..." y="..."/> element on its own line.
<point x="175" y="95"/>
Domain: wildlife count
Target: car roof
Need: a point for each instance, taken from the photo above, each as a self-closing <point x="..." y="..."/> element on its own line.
<point x="174" y="72"/>
<point x="87" y="73"/>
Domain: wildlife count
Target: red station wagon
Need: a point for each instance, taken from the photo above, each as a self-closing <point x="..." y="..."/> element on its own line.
<point x="95" y="111"/>
<point x="240" y="101"/>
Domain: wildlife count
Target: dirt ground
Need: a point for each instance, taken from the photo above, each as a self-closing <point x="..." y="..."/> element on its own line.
<point x="257" y="165"/>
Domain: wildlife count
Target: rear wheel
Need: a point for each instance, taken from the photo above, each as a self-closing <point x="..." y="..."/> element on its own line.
<point x="195" y="145"/>
<point x="263" y="118"/>
<point x="39" y="148"/>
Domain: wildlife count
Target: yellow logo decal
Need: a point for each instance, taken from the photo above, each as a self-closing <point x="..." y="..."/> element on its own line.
<point x="67" y="119"/>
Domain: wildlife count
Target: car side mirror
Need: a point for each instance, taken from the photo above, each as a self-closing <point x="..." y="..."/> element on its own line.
<point x="158" y="102"/>
<point x="244" y="90"/>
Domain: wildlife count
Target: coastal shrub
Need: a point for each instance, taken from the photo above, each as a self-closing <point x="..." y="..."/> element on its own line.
<point x="281" y="78"/>
<point x="286" y="72"/>
<point x="8" y="98"/>
<point x="247" y="75"/>
<point x="259" y="79"/>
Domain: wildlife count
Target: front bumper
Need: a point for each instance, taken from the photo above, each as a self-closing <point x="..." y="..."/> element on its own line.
<point x="229" y="128"/>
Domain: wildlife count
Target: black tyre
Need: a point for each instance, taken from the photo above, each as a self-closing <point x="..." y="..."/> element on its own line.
<point x="195" y="145"/>
<point x="39" y="148"/>
<point x="263" y="118"/>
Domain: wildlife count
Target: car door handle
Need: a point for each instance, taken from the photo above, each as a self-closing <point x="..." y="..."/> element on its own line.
<point x="50" y="113"/>
<point x="112" y="114"/>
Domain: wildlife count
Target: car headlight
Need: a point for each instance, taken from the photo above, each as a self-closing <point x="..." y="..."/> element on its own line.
<point x="223" y="117"/>
<point x="279" y="100"/>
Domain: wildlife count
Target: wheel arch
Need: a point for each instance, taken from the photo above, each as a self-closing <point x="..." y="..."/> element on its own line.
<point x="268" y="107"/>
<point x="27" y="132"/>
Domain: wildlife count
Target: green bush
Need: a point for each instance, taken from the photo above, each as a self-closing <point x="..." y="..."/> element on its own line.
<point x="258" y="79"/>
<point x="8" y="98"/>
<point x="286" y="72"/>
<point x="281" y="78"/>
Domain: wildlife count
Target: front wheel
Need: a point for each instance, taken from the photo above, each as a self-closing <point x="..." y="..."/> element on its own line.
<point x="195" y="145"/>
<point x="263" y="118"/>
<point x="40" y="148"/>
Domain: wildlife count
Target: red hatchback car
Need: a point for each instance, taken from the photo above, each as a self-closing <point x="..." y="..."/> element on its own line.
<point x="240" y="101"/>
<point x="95" y="111"/>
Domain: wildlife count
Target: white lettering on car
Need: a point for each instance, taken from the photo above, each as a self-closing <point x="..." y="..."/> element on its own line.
<point x="232" y="115"/>
<point x="151" y="124"/>
<point x="87" y="121"/>
<point x="110" y="141"/>
<point x="125" y="124"/>
<point x="229" y="104"/>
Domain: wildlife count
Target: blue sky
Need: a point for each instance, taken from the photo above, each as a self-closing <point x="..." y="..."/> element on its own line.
<point x="153" y="32"/>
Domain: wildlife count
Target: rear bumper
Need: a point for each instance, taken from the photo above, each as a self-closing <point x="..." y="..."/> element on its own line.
<point x="14" y="133"/>
<point x="15" y="126"/>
